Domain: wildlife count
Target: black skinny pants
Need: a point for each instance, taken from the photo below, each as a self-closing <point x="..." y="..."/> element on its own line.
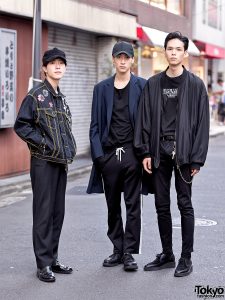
<point x="49" y="185"/>
<point x="162" y="183"/>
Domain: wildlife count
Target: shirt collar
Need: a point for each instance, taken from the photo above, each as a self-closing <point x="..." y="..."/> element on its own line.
<point x="50" y="88"/>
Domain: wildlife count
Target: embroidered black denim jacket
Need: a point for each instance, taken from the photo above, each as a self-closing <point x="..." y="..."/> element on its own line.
<point x="44" y="123"/>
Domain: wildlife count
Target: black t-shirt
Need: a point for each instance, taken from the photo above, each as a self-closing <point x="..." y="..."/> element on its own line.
<point x="170" y="89"/>
<point x="121" y="130"/>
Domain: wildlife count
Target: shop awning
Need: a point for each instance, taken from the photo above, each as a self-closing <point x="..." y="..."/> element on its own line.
<point x="156" y="37"/>
<point x="210" y="51"/>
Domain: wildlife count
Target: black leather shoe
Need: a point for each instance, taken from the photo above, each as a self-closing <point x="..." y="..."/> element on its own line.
<point x="57" y="267"/>
<point x="113" y="260"/>
<point x="46" y="274"/>
<point x="184" y="267"/>
<point x="129" y="262"/>
<point x="162" y="261"/>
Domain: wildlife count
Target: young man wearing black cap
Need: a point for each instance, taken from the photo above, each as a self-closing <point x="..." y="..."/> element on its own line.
<point x="172" y="134"/>
<point x="114" y="108"/>
<point x="44" y="123"/>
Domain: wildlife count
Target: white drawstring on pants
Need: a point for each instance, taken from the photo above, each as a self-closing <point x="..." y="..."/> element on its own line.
<point x="119" y="153"/>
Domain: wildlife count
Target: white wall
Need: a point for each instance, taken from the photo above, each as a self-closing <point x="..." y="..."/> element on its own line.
<point x="104" y="57"/>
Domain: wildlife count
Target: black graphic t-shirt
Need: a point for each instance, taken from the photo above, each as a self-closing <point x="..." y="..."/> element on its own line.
<point x="170" y="88"/>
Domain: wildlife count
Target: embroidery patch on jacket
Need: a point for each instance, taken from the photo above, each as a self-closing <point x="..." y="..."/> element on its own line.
<point x="45" y="93"/>
<point x="41" y="98"/>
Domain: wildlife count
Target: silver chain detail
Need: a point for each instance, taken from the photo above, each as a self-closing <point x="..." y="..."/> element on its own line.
<point x="181" y="175"/>
<point x="188" y="182"/>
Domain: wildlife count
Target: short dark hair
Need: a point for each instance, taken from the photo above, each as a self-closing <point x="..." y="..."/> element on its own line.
<point x="179" y="36"/>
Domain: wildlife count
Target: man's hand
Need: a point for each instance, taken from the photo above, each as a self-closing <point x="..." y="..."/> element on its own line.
<point x="194" y="172"/>
<point x="147" y="165"/>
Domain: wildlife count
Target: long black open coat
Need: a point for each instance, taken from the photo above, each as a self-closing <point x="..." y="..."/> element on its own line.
<point x="102" y="107"/>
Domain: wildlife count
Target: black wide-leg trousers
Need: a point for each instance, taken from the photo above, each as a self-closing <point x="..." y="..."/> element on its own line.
<point x="48" y="181"/>
<point x="123" y="176"/>
<point x="162" y="183"/>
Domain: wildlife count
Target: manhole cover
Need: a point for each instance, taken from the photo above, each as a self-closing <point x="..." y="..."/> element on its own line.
<point x="198" y="222"/>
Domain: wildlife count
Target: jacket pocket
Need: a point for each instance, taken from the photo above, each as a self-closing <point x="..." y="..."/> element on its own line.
<point x="51" y="118"/>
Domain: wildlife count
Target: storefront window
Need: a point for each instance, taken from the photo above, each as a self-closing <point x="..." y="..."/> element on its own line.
<point x="173" y="6"/>
<point x="212" y="13"/>
<point x="158" y="3"/>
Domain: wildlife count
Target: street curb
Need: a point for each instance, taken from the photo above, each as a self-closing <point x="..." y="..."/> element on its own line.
<point x="26" y="184"/>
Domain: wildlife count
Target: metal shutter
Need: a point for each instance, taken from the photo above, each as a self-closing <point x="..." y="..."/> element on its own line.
<point x="79" y="79"/>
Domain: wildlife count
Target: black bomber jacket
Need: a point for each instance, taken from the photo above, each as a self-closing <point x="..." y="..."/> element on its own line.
<point x="44" y="123"/>
<point x="192" y="126"/>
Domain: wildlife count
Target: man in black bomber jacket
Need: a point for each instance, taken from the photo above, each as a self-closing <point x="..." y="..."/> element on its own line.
<point x="44" y="123"/>
<point x="171" y="134"/>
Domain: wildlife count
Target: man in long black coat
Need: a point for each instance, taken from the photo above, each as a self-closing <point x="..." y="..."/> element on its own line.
<point x="114" y="110"/>
<point x="172" y="133"/>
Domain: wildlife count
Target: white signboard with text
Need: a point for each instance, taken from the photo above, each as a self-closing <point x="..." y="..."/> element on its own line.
<point x="8" y="40"/>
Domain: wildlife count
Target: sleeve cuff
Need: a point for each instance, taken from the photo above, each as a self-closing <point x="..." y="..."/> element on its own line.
<point x="195" y="166"/>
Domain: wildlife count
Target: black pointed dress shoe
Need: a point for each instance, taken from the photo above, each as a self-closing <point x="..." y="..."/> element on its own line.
<point x="184" y="267"/>
<point x="57" y="267"/>
<point x="162" y="261"/>
<point x="46" y="274"/>
<point x="129" y="262"/>
<point x="113" y="260"/>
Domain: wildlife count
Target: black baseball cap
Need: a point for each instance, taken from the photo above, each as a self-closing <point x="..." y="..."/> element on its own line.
<point x="52" y="54"/>
<point x="123" y="47"/>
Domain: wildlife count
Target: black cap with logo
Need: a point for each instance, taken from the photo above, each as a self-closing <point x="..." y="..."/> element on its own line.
<point x="52" y="54"/>
<point x="123" y="47"/>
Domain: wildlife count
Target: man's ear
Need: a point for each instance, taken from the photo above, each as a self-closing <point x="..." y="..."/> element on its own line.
<point x="113" y="59"/>
<point x="44" y="69"/>
<point x="186" y="54"/>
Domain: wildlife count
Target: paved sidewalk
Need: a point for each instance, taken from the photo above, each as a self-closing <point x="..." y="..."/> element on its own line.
<point x="216" y="129"/>
<point x="81" y="165"/>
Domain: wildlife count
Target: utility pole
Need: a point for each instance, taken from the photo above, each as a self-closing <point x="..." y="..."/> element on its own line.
<point x="37" y="45"/>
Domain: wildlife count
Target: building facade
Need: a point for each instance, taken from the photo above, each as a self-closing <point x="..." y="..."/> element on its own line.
<point x="209" y="36"/>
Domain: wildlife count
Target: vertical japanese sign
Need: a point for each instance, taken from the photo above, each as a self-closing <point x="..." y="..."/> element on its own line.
<point x="7" y="77"/>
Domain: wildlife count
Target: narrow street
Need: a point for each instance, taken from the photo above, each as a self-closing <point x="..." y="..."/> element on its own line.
<point x="84" y="245"/>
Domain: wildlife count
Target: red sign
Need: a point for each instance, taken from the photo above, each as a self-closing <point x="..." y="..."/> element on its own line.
<point x="214" y="51"/>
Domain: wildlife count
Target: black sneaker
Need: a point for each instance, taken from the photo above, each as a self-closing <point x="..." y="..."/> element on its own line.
<point x="162" y="261"/>
<point x="129" y="262"/>
<point x="184" y="267"/>
<point x="113" y="260"/>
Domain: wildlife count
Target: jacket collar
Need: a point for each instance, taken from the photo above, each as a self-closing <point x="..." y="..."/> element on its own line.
<point x="184" y="69"/>
<point x="51" y="90"/>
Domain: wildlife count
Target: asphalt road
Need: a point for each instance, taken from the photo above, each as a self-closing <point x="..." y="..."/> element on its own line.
<point x="84" y="245"/>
